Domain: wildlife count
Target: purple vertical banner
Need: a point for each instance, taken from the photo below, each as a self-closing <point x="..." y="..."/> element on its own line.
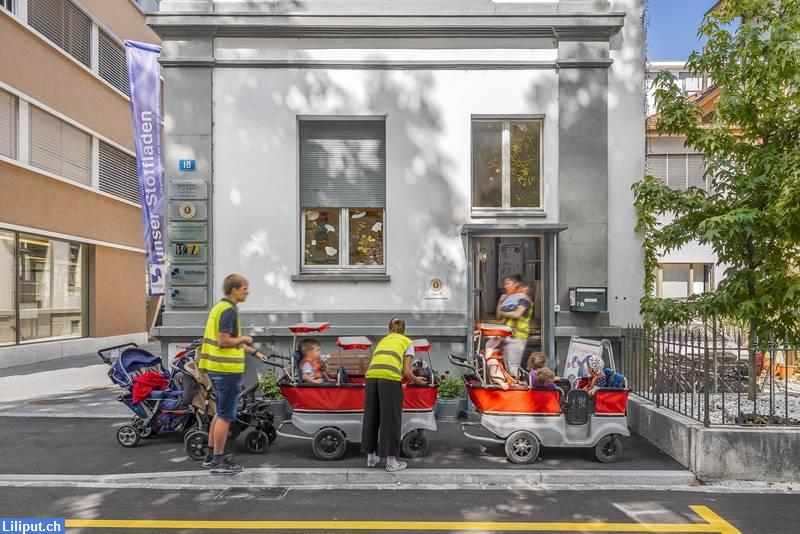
<point x="144" y="76"/>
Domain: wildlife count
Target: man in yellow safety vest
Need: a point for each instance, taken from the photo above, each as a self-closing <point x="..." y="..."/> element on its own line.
<point x="222" y="357"/>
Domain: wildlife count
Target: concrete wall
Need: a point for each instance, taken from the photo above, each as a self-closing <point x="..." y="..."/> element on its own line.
<point x="428" y="166"/>
<point x="768" y="454"/>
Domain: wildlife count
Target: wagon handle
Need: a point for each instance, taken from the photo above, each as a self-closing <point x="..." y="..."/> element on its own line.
<point x="460" y="362"/>
<point x="105" y="358"/>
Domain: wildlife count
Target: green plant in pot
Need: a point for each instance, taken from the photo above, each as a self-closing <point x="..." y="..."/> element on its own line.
<point x="448" y="402"/>
<point x="271" y="392"/>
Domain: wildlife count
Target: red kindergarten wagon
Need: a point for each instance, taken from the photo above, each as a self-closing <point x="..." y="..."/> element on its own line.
<point x="526" y="416"/>
<point x="331" y="414"/>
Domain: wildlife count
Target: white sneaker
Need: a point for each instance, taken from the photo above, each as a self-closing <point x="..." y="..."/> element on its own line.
<point x="397" y="466"/>
<point x="373" y="460"/>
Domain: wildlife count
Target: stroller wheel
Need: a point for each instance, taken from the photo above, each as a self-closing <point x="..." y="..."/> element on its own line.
<point x="128" y="436"/>
<point x="272" y="434"/>
<point x="256" y="441"/>
<point x="522" y="447"/>
<point x="415" y="444"/>
<point x="329" y="444"/>
<point x="196" y="445"/>
<point x="609" y="449"/>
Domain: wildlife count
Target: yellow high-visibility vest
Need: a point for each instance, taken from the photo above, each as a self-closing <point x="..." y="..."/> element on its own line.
<point x="522" y="326"/>
<point x="387" y="360"/>
<point x="214" y="358"/>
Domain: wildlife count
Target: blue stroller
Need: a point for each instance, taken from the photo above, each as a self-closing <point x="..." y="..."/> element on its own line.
<point x="162" y="410"/>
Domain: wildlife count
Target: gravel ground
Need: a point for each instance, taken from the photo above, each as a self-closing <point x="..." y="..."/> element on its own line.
<point x="693" y="406"/>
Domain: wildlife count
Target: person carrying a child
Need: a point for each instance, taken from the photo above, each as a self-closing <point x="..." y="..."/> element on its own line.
<point x="312" y="369"/>
<point x="496" y="371"/>
<point x="516" y="309"/>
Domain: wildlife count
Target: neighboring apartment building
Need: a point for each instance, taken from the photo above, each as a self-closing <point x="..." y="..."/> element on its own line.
<point x="72" y="266"/>
<point x="361" y="160"/>
<point x="694" y="268"/>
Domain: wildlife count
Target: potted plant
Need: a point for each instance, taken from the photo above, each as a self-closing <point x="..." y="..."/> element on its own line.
<point x="448" y="401"/>
<point x="271" y="392"/>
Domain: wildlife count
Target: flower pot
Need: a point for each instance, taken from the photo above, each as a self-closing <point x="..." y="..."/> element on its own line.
<point x="447" y="410"/>
<point x="278" y="408"/>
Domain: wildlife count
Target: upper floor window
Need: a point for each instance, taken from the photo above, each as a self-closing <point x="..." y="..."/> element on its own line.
<point x="117" y="173"/>
<point x="679" y="171"/>
<point x="8" y="4"/>
<point x="506" y="164"/>
<point x="58" y="147"/>
<point x="681" y="280"/>
<point x="342" y="194"/>
<point x="64" y="24"/>
<point x="8" y="124"/>
<point x="111" y="64"/>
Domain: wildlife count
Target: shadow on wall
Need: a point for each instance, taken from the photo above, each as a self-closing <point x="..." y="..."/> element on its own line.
<point x="414" y="157"/>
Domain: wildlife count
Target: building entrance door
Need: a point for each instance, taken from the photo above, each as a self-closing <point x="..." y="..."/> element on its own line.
<point x="495" y="258"/>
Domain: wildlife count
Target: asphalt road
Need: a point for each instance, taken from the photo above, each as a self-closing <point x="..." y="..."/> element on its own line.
<point x="89" y="447"/>
<point x="404" y="511"/>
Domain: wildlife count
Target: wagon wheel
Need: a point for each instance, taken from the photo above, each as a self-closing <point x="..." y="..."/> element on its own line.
<point x="609" y="449"/>
<point x="329" y="444"/>
<point x="415" y="444"/>
<point x="522" y="447"/>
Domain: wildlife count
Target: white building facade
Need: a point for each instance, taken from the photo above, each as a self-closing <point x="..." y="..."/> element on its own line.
<point x="361" y="160"/>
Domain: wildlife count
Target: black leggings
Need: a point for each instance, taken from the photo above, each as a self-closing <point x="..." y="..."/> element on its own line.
<point x="383" y="414"/>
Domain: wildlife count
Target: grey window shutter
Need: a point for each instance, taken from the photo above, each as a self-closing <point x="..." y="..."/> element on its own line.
<point x="118" y="174"/>
<point x="60" y="148"/>
<point x="343" y="164"/>
<point x="677" y="171"/>
<point x="8" y="124"/>
<point x="697" y="170"/>
<point x="111" y="63"/>
<point x="657" y="167"/>
<point x="64" y="24"/>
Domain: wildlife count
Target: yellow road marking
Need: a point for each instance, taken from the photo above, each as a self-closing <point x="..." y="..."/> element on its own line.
<point x="714" y="524"/>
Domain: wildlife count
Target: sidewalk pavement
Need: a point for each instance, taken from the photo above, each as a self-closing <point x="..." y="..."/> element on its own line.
<point x="59" y="423"/>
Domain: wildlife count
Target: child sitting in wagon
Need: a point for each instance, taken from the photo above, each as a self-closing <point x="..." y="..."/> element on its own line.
<point x="312" y="368"/>
<point x="495" y="369"/>
<point x="600" y="376"/>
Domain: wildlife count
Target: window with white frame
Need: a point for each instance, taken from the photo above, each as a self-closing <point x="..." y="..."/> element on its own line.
<point x="111" y="62"/>
<point x="65" y="24"/>
<point x="506" y="164"/>
<point x="8" y="124"/>
<point x="59" y="147"/>
<point x="680" y="280"/>
<point x="8" y="4"/>
<point x="679" y="171"/>
<point x="117" y="173"/>
<point x="342" y="194"/>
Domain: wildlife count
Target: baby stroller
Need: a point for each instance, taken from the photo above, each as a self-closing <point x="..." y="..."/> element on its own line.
<point x="162" y="410"/>
<point x="250" y="413"/>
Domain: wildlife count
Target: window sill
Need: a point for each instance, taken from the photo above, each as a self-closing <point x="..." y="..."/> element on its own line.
<point x="478" y="214"/>
<point x="340" y="277"/>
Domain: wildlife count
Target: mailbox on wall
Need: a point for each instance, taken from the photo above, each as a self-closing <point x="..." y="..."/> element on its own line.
<point x="588" y="299"/>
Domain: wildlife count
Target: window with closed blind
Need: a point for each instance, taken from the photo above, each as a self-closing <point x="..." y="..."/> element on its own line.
<point x="678" y="171"/>
<point x="8" y="124"/>
<point x="118" y="175"/>
<point x="60" y="148"/>
<point x="111" y="63"/>
<point x="342" y="193"/>
<point x="64" y="24"/>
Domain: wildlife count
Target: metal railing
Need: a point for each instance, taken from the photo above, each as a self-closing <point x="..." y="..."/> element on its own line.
<point x="703" y="371"/>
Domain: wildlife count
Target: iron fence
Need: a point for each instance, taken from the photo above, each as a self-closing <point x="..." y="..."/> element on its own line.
<point x="704" y="371"/>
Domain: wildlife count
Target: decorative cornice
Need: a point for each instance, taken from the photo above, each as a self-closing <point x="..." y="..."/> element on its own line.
<point x="583" y="26"/>
<point x="584" y="63"/>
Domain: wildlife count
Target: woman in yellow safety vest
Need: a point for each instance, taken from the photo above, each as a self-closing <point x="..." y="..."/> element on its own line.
<point x="383" y="398"/>
<point x="515" y="308"/>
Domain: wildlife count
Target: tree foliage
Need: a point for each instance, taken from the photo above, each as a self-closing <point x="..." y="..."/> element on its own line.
<point x="750" y="216"/>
